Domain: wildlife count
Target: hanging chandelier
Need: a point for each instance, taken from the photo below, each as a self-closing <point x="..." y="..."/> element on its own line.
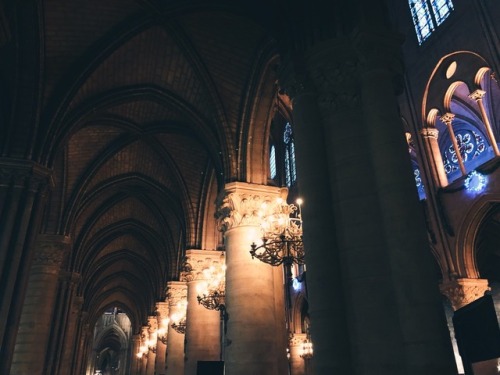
<point x="306" y="351"/>
<point x="178" y="319"/>
<point x="282" y="236"/>
<point x="212" y="292"/>
<point x="162" y="331"/>
<point x="180" y="325"/>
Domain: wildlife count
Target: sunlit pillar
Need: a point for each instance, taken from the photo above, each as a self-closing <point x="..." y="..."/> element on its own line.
<point x="36" y="318"/>
<point x="478" y="97"/>
<point x="144" y="345"/>
<point x="136" y="360"/>
<point x="253" y="334"/>
<point x="161" y="347"/>
<point x="203" y="328"/>
<point x="176" y="294"/>
<point x="475" y="324"/>
<point x="152" y="342"/>
<point x="297" y="363"/>
<point x="447" y="119"/>
<point x="433" y="153"/>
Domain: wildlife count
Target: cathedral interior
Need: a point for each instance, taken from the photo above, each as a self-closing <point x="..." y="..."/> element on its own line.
<point x="277" y="187"/>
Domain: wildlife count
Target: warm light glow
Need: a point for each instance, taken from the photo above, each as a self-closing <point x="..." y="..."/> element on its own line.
<point x="306" y="351"/>
<point x="299" y="201"/>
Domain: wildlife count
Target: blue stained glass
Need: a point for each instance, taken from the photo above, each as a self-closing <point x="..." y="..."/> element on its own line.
<point x="470" y="145"/>
<point x="290" y="165"/>
<point x="419" y="184"/>
<point x="272" y="161"/>
<point x="442" y="9"/>
<point x="422" y="20"/>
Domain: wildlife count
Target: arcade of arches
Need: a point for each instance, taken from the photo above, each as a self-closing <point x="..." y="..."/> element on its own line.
<point x="143" y="144"/>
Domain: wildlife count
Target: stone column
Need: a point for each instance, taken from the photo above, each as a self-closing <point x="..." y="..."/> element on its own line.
<point x="70" y="335"/>
<point x="203" y="329"/>
<point x="136" y="360"/>
<point x="433" y="155"/>
<point x="252" y="328"/>
<point x="478" y="97"/>
<point x="461" y="293"/>
<point x="161" y="347"/>
<point x="176" y="292"/>
<point x="297" y="363"/>
<point x="36" y="318"/>
<point x="447" y="119"/>
<point x="377" y="267"/>
<point x="22" y="195"/>
<point x="326" y="305"/>
<point x="152" y="341"/>
<point x="145" y="357"/>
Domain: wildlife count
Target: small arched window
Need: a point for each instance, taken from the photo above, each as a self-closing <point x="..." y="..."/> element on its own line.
<point x="290" y="165"/>
<point x="272" y="162"/>
<point x="427" y="15"/>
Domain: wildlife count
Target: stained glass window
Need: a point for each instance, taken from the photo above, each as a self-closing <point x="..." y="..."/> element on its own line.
<point x="442" y="9"/>
<point x="427" y="15"/>
<point x="290" y="165"/>
<point x="272" y="162"/>
<point x="470" y="144"/>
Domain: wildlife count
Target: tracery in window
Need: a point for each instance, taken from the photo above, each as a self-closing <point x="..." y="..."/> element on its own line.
<point x="416" y="170"/>
<point x="290" y="165"/>
<point x="272" y="162"/>
<point x="427" y="15"/>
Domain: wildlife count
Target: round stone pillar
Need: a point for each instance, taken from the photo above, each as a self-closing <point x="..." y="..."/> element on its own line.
<point x="297" y="363"/>
<point x="36" y="317"/>
<point x="23" y="185"/>
<point x="176" y="292"/>
<point x="252" y="331"/>
<point x="152" y="339"/>
<point x="161" y="348"/>
<point x="375" y="266"/>
<point x="135" y="362"/>
<point x="203" y="328"/>
<point x="433" y="155"/>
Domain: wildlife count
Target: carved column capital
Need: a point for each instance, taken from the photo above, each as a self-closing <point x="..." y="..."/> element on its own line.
<point x="297" y="339"/>
<point x="162" y="310"/>
<point x="51" y="250"/>
<point x="25" y="173"/>
<point x="176" y="292"/>
<point x="477" y="94"/>
<point x="461" y="292"/>
<point x="447" y="118"/>
<point x="246" y="204"/>
<point x="152" y="324"/>
<point x="429" y="133"/>
<point x="197" y="261"/>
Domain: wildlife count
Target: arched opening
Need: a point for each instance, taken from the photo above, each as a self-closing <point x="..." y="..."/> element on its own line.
<point x="111" y="349"/>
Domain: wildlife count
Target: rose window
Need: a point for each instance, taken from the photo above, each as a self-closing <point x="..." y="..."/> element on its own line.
<point x="470" y="145"/>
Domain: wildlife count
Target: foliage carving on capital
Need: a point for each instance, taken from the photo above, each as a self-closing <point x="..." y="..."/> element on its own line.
<point x="297" y="339"/>
<point x="24" y="173"/>
<point x="152" y="324"/>
<point x="176" y="293"/>
<point x="162" y="309"/>
<point x="198" y="261"/>
<point x="337" y="84"/>
<point x="243" y="208"/>
<point x="461" y="292"/>
<point x="50" y="253"/>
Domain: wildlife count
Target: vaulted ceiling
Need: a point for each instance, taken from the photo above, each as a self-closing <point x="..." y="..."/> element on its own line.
<point x="142" y="111"/>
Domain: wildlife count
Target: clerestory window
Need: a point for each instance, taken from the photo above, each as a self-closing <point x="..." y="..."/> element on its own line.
<point x="427" y="15"/>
